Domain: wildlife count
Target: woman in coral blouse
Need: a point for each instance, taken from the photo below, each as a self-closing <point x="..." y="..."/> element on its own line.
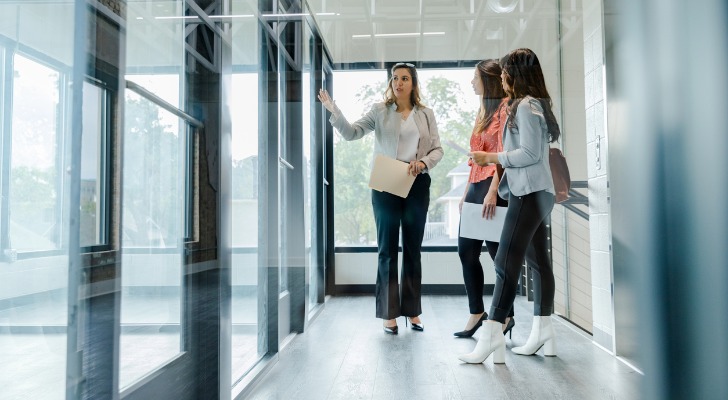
<point x="482" y="187"/>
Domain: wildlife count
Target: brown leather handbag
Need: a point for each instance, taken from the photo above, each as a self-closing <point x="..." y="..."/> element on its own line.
<point x="560" y="174"/>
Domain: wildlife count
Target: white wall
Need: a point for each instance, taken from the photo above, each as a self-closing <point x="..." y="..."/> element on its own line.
<point x="600" y="231"/>
<point x="437" y="268"/>
<point x="24" y="277"/>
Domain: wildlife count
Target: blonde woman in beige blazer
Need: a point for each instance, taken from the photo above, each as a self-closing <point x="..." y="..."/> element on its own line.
<point x="406" y="130"/>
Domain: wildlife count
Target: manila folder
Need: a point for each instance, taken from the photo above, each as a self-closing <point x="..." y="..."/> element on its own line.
<point x="390" y="175"/>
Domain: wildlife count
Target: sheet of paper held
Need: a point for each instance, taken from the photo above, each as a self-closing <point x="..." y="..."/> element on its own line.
<point x="474" y="226"/>
<point x="390" y="175"/>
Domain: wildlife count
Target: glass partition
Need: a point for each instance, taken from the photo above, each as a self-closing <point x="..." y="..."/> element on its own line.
<point x="154" y="178"/>
<point x="311" y="179"/>
<point x="247" y="348"/>
<point x="36" y="62"/>
<point x="37" y="137"/>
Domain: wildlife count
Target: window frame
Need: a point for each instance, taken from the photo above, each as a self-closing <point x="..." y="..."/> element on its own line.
<point x="420" y="65"/>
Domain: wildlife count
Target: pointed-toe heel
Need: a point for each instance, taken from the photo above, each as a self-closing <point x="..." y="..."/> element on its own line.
<point x="470" y="332"/>
<point x="542" y="335"/>
<point x="415" y="327"/>
<point x="392" y="330"/>
<point x="509" y="328"/>
<point x="491" y="341"/>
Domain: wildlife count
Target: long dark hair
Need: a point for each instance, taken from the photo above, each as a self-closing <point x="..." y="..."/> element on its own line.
<point x="524" y="77"/>
<point x="390" y="98"/>
<point x="493" y="94"/>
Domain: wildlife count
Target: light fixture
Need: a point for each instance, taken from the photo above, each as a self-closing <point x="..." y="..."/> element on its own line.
<point x="498" y="7"/>
<point x="284" y="15"/>
<point x="233" y="16"/>
<point x="406" y="34"/>
<point x="209" y="16"/>
<point x="178" y="17"/>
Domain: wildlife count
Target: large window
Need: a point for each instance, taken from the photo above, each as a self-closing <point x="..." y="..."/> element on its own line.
<point x="155" y="189"/>
<point x="35" y="188"/>
<point x="448" y="92"/>
<point x="245" y="199"/>
<point x="247" y="343"/>
<point x="152" y="238"/>
<point x="36" y="62"/>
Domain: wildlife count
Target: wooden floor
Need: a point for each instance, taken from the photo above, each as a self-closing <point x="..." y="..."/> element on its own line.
<point x="344" y="354"/>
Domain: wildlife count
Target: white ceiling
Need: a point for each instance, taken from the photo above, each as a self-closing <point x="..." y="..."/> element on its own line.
<point x="438" y="30"/>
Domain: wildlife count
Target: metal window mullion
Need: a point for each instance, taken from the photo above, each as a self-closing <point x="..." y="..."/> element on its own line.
<point x="136" y="88"/>
<point x="7" y="125"/>
<point x="104" y="223"/>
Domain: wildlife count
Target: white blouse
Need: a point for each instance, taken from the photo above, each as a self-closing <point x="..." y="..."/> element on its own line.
<point x="409" y="138"/>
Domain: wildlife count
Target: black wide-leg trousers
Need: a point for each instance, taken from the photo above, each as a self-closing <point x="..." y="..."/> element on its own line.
<point x="391" y="212"/>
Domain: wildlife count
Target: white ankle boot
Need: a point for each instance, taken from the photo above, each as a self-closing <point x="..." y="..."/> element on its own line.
<point x="491" y="341"/>
<point x="542" y="335"/>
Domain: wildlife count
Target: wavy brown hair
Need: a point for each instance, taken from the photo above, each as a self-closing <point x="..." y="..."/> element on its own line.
<point x="493" y="94"/>
<point x="524" y="77"/>
<point x="390" y="98"/>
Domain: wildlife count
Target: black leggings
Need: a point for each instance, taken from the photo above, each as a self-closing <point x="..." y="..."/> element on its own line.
<point x="525" y="235"/>
<point x="469" y="251"/>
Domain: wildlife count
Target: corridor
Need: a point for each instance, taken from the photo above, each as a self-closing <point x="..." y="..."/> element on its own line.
<point x="345" y="355"/>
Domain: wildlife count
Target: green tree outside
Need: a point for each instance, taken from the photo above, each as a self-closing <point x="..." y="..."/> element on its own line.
<point x="353" y="216"/>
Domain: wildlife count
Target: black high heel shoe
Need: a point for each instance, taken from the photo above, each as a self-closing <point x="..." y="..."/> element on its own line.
<point x="509" y="328"/>
<point x="470" y="332"/>
<point x="392" y="330"/>
<point x="415" y="327"/>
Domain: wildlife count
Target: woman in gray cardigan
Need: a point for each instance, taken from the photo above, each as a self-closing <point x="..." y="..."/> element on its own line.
<point x="528" y="186"/>
<point x="405" y="130"/>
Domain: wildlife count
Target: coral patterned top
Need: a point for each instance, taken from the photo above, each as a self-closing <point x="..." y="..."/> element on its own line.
<point x="489" y="140"/>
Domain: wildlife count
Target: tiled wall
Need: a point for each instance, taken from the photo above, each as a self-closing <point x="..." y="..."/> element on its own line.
<point x="597" y="147"/>
<point x="572" y="267"/>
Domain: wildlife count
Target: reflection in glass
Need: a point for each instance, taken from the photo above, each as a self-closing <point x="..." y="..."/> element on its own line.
<point x="245" y="222"/>
<point x="33" y="290"/>
<point x="309" y="184"/>
<point x="154" y="173"/>
<point x="152" y="233"/>
<point x="93" y="139"/>
<point x="34" y="187"/>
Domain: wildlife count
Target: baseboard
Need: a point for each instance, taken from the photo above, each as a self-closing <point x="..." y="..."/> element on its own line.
<point x="431" y="289"/>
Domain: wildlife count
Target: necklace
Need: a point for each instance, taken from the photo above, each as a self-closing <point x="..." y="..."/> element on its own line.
<point x="405" y="114"/>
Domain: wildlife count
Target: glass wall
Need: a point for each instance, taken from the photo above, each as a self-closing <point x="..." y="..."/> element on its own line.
<point x="155" y="165"/>
<point x="126" y="163"/>
<point x="36" y="63"/>
<point x="246" y="196"/>
<point x="311" y="174"/>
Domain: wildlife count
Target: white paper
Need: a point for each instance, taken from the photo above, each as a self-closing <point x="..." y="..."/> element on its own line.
<point x="391" y="176"/>
<point x="474" y="226"/>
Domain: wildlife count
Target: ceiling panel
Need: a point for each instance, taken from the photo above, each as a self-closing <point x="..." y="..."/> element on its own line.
<point x="438" y="30"/>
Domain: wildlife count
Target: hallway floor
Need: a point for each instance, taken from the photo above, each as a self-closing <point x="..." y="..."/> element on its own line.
<point x="344" y="354"/>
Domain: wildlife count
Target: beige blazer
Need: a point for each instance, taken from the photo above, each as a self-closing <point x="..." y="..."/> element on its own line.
<point x="386" y="122"/>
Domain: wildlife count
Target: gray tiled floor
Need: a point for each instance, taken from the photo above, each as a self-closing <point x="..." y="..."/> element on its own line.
<point x="345" y="355"/>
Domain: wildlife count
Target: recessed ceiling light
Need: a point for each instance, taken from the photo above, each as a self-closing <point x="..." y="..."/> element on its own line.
<point x="406" y="34"/>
